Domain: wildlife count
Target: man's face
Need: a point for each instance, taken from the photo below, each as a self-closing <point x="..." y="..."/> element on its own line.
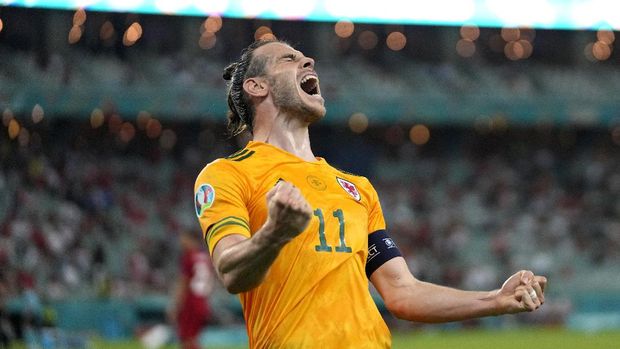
<point x="294" y="84"/>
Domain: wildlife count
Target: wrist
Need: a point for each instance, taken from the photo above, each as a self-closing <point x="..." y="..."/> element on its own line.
<point x="270" y="237"/>
<point x="497" y="305"/>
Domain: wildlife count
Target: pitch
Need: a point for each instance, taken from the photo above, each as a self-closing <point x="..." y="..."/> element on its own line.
<point x="548" y="338"/>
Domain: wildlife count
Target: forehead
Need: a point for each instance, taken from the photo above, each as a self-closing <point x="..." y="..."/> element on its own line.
<point x="275" y="50"/>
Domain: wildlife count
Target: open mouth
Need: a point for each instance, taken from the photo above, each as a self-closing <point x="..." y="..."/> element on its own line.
<point x="310" y="85"/>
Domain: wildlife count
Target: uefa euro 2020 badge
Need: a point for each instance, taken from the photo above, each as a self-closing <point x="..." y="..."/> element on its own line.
<point x="205" y="195"/>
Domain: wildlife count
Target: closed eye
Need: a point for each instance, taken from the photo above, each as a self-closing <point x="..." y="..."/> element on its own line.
<point x="289" y="57"/>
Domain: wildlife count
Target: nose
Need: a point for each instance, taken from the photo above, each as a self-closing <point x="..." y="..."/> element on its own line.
<point x="308" y="62"/>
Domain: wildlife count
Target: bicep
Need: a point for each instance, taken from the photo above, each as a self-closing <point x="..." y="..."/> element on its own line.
<point x="392" y="278"/>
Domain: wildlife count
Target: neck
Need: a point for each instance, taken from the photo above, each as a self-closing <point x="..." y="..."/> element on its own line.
<point x="285" y="132"/>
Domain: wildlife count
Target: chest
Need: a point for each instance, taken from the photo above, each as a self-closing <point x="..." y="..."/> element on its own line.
<point x="340" y="214"/>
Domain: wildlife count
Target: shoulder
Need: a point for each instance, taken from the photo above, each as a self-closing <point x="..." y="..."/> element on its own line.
<point x="233" y="165"/>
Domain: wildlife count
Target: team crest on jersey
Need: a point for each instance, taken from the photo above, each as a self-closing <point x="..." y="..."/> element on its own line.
<point x="350" y="188"/>
<point x="205" y="195"/>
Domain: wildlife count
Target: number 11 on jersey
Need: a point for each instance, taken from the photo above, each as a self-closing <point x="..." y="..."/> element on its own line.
<point x="323" y="246"/>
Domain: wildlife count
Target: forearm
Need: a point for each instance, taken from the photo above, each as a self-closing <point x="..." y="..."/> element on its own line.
<point x="244" y="264"/>
<point x="426" y="302"/>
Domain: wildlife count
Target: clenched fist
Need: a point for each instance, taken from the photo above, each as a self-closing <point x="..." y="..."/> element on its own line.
<point x="289" y="212"/>
<point x="523" y="291"/>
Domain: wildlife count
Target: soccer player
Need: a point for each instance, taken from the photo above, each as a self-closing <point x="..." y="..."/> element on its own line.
<point x="299" y="240"/>
<point x="190" y="307"/>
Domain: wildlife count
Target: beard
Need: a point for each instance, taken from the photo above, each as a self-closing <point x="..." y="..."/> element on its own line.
<point x="287" y="98"/>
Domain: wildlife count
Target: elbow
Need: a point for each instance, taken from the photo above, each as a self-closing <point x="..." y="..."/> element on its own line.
<point x="397" y="309"/>
<point x="236" y="285"/>
<point x="232" y="285"/>
<point x="404" y="310"/>
<point x="234" y="289"/>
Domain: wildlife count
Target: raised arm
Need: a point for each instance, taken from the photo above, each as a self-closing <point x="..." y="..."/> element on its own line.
<point x="410" y="299"/>
<point x="242" y="263"/>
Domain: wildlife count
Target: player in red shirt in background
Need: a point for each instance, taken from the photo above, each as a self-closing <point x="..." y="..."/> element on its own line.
<point x="190" y="308"/>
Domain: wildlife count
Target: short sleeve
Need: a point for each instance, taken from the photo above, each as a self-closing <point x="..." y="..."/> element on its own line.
<point x="220" y="201"/>
<point x="376" y="221"/>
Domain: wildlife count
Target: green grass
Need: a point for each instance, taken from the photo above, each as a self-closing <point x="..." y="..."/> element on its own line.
<point x="514" y="339"/>
<point x="474" y="339"/>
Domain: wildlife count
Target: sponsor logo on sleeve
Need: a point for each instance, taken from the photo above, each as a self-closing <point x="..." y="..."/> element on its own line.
<point x="205" y="195"/>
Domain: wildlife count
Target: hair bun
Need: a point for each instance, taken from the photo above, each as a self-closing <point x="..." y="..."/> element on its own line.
<point x="228" y="71"/>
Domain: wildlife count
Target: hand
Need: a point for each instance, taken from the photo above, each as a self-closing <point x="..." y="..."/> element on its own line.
<point x="289" y="212"/>
<point x="523" y="291"/>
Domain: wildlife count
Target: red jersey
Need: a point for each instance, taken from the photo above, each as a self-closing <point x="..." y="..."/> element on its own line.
<point x="194" y="310"/>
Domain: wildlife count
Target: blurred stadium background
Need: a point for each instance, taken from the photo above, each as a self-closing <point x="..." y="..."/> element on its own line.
<point x="491" y="130"/>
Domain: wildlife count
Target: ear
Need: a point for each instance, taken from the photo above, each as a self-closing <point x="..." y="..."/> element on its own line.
<point x="256" y="87"/>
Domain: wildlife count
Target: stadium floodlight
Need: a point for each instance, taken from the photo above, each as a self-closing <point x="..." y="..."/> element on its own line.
<point x="549" y="14"/>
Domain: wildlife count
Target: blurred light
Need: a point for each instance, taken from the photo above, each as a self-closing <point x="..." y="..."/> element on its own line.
<point x="115" y="123"/>
<point x="207" y="40"/>
<point x="7" y="116"/>
<point x="142" y="119"/>
<point x="1" y="25"/>
<point x="606" y="36"/>
<point x="213" y="24"/>
<point x="396" y="41"/>
<point x="153" y="128"/>
<point x="528" y="34"/>
<point x="127" y="132"/>
<point x="358" y="122"/>
<point x="79" y="17"/>
<point x="470" y="32"/>
<point x="496" y="43"/>
<point x="527" y="48"/>
<point x="37" y="114"/>
<point x="107" y="31"/>
<point x="601" y="50"/>
<point x="132" y="34"/>
<point x="168" y="139"/>
<point x="419" y="134"/>
<point x="75" y="34"/>
<point x="510" y="34"/>
<point x="24" y="137"/>
<point x="615" y="135"/>
<point x="14" y="128"/>
<point x="268" y="36"/>
<point x="367" y="39"/>
<point x="344" y="28"/>
<point x="465" y="48"/>
<point x="96" y="118"/>
<point x="514" y="50"/>
<point x="261" y="33"/>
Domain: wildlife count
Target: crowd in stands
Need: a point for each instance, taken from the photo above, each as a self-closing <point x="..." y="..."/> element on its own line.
<point x="84" y="214"/>
<point x="190" y="85"/>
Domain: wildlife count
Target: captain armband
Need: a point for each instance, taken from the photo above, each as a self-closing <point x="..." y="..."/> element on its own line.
<point x="381" y="248"/>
